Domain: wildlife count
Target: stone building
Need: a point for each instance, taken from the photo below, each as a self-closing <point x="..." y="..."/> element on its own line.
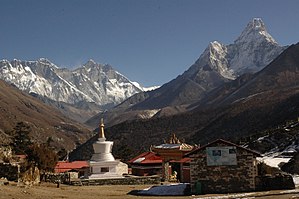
<point x="222" y="167"/>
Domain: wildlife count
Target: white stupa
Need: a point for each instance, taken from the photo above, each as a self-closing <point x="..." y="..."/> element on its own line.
<point x="102" y="163"/>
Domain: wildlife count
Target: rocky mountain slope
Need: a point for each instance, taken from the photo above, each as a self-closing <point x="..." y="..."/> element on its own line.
<point x="264" y="100"/>
<point x="281" y="74"/>
<point x="218" y="64"/>
<point x="92" y="83"/>
<point x="249" y="106"/>
<point x="45" y="121"/>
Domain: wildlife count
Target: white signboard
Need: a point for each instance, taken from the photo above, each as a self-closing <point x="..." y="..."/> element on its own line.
<point x="217" y="156"/>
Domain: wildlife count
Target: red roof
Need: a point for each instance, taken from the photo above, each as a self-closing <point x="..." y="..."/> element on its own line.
<point x="21" y="156"/>
<point x="63" y="166"/>
<point x="146" y="158"/>
<point x="183" y="160"/>
<point x="152" y="158"/>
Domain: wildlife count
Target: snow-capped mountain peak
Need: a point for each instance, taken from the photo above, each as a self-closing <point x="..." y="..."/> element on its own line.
<point x="252" y="51"/>
<point x="255" y="31"/>
<point x="44" y="60"/>
<point x="257" y="24"/>
<point x="92" y="82"/>
<point x="90" y="63"/>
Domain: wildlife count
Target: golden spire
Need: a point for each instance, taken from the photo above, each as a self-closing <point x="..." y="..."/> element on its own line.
<point x="101" y="129"/>
<point x="174" y="140"/>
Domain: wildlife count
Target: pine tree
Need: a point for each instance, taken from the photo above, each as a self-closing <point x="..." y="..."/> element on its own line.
<point x="40" y="155"/>
<point x="21" y="140"/>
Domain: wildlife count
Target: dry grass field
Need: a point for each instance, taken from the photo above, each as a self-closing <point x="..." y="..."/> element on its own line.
<point x="50" y="191"/>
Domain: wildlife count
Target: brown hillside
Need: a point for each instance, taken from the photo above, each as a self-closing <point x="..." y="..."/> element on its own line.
<point x="45" y="122"/>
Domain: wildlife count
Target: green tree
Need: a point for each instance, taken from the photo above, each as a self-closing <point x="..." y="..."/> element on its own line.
<point x="21" y="140"/>
<point x="40" y="155"/>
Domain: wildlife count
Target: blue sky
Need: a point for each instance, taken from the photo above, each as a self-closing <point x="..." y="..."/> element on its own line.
<point x="149" y="41"/>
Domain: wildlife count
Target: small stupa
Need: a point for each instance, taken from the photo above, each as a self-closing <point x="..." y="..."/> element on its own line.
<point x="102" y="163"/>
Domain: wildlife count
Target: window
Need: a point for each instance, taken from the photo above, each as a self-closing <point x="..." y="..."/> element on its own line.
<point x="104" y="169"/>
<point x="216" y="152"/>
<point x="232" y="151"/>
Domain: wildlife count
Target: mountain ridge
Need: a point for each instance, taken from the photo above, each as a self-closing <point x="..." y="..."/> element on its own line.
<point x="281" y="72"/>
<point x="217" y="65"/>
<point x="272" y="100"/>
<point x="90" y="83"/>
<point x="61" y="84"/>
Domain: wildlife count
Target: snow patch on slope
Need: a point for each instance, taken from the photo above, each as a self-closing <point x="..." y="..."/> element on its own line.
<point x="273" y="161"/>
<point x="146" y="114"/>
<point x="145" y="88"/>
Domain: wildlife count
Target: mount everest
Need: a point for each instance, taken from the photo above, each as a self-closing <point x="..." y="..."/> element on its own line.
<point x="93" y="82"/>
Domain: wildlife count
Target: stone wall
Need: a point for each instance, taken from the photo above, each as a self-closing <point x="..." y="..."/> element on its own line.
<point x="118" y="181"/>
<point x="224" y="178"/>
<point x="26" y="176"/>
<point x="56" y="177"/>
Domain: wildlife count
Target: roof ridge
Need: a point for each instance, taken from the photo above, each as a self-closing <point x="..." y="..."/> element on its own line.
<point x="223" y="141"/>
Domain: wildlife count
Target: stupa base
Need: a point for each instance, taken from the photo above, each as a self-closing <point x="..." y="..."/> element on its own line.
<point x="108" y="169"/>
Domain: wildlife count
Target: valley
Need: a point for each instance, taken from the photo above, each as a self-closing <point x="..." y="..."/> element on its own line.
<point x="235" y="92"/>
